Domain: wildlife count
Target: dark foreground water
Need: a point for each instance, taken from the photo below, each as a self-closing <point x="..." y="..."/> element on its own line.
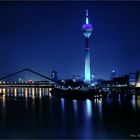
<point x="35" y="114"/>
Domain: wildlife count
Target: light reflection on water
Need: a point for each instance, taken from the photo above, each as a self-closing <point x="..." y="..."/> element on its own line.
<point x="87" y="127"/>
<point x="63" y="113"/>
<point x="76" y="119"/>
<point x="4" y="105"/>
<point x="98" y="105"/>
<point x="100" y="108"/>
<point x="62" y="104"/>
<point x="134" y="102"/>
<point x="75" y="106"/>
<point x="89" y="108"/>
<point x="33" y="93"/>
<point x="40" y="95"/>
<point x="15" y="92"/>
<point x="119" y="99"/>
<point x="25" y="92"/>
<point x="138" y="101"/>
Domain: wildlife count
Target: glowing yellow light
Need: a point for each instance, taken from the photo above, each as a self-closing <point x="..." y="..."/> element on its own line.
<point x="3" y="99"/>
<point x="15" y="92"/>
<point x="138" y="101"/>
<point x="26" y="93"/>
<point x="4" y="90"/>
<point x="33" y="93"/>
<point x="3" y="96"/>
<point x="138" y="84"/>
<point x="40" y="95"/>
<point x="50" y="95"/>
<point x="8" y="90"/>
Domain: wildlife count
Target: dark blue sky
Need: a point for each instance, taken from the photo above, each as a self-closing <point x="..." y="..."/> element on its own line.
<point x="46" y="36"/>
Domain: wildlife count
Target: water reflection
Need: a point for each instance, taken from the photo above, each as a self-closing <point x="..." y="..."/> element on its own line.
<point x="62" y="104"/>
<point x="134" y="102"/>
<point x="89" y="108"/>
<point x="15" y="92"/>
<point x="108" y="99"/>
<point x="87" y="124"/>
<point x="33" y="93"/>
<point x="138" y="101"/>
<point x="26" y="103"/>
<point x="40" y="93"/>
<point x="61" y="118"/>
<point x="98" y="105"/>
<point x="4" y="90"/>
<point x="30" y="92"/>
<point x="48" y="92"/>
<point x="25" y="92"/>
<point x="75" y="106"/>
<point x="119" y="99"/>
<point x="4" y="104"/>
<point x="100" y="108"/>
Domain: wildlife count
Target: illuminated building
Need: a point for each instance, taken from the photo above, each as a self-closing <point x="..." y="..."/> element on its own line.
<point x="87" y="28"/>
<point x="132" y="79"/>
<point x="93" y="80"/>
<point x="138" y="79"/>
<point x="121" y="81"/>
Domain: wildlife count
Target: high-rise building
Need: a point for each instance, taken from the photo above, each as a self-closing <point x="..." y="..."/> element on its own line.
<point x="87" y="28"/>
<point x="138" y="78"/>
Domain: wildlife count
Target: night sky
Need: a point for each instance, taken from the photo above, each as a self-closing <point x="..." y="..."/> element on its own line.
<point x="46" y="36"/>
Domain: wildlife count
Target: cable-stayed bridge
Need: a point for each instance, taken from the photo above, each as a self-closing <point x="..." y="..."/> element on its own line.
<point x="48" y="82"/>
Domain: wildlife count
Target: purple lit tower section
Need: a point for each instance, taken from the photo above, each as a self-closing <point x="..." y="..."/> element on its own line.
<point x="87" y="28"/>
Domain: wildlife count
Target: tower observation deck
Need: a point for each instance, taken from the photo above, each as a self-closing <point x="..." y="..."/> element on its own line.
<point x="87" y="30"/>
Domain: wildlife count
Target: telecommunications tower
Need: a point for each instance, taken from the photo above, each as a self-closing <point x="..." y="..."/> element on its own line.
<point x="87" y="29"/>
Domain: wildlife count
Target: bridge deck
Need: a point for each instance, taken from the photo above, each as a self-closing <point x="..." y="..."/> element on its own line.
<point x="25" y="85"/>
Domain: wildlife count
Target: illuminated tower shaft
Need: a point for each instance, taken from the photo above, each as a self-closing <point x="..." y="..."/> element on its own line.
<point x="87" y="28"/>
<point x="87" y="61"/>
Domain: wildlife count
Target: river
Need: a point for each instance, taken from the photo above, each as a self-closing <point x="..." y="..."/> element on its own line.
<point x="34" y="113"/>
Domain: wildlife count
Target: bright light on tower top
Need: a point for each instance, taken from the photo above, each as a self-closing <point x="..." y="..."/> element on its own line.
<point x="87" y="22"/>
<point x="87" y="25"/>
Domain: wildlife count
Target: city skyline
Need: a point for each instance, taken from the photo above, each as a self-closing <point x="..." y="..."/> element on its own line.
<point x="47" y="36"/>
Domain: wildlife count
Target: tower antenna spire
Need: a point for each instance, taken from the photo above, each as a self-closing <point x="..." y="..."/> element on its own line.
<point x="87" y="21"/>
<point x="86" y="13"/>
